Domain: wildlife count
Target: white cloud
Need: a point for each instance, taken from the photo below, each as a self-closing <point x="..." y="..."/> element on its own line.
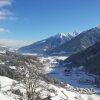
<point x="6" y="14"/>
<point x="5" y="3"/>
<point x="3" y="30"/>
<point x="14" y="43"/>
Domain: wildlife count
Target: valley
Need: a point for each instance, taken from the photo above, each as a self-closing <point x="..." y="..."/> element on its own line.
<point x="78" y="82"/>
<point x="60" y="86"/>
<point x="49" y="49"/>
<point x="62" y="67"/>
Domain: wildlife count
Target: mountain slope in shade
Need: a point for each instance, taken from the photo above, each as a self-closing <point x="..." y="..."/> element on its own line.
<point x="80" y="42"/>
<point x="88" y="60"/>
<point x="50" y="43"/>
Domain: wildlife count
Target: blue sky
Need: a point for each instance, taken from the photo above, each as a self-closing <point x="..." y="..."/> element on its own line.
<point x="33" y="20"/>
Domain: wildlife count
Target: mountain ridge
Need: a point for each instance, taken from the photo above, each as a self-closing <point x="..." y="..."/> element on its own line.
<point x="50" y="43"/>
<point x="80" y="42"/>
<point x="87" y="59"/>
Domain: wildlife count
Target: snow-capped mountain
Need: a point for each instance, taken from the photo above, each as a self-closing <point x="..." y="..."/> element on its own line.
<point x="69" y="36"/>
<point x="80" y="42"/>
<point x="50" y="43"/>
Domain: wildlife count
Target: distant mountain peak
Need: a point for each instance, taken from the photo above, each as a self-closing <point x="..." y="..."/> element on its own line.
<point x="48" y="44"/>
<point x="98" y="27"/>
<point x="80" y="42"/>
<point x="61" y="35"/>
<point x="68" y="35"/>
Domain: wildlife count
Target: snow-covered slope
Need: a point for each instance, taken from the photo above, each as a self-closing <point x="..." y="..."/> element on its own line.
<point x="5" y="83"/>
<point x="50" y="43"/>
<point x="5" y="97"/>
<point x="78" y="84"/>
<point x="59" y="90"/>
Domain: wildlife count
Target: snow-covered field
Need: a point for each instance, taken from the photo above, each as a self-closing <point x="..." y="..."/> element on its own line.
<point x="72" y="90"/>
<point x="59" y="94"/>
<point x="5" y="97"/>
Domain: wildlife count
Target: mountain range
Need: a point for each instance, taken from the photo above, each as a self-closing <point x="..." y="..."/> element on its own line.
<point x="64" y="43"/>
<point x="77" y="77"/>
<point x="80" y="42"/>
<point x="50" y="43"/>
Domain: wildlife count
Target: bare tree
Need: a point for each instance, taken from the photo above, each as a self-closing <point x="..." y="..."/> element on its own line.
<point x="0" y="85"/>
<point x="30" y="75"/>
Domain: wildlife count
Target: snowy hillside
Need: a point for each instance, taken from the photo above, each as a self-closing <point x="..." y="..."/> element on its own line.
<point x="58" y="86"/>
<point x="5" y="83"/>
<point x="78" y="84"/>
<point x="59" y="93"/>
